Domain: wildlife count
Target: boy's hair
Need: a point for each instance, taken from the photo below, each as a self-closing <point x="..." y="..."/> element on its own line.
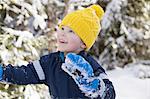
<point x="85" y="23"/>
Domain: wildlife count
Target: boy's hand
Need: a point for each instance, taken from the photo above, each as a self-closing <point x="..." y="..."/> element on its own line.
<point x="82" y="73"/>
<point x="1" y="72"/>
<point x="77" y="64"/>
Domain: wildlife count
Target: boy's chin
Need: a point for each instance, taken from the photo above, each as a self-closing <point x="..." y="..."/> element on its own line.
<point x="64" y="50"/>
<point x="61" y="49"/>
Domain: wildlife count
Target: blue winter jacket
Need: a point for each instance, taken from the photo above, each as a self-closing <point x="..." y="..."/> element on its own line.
<point x="47" y="70"/>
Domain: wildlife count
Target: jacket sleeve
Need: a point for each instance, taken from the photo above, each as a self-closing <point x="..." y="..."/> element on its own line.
<point x="20" y="75"/>
<point x="33" y="73"/>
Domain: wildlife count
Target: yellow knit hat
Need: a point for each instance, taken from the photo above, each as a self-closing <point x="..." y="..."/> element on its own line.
<point x="85" y="23"/>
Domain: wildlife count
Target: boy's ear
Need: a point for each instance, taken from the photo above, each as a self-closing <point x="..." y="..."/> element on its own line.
<point x="83" y="46"/>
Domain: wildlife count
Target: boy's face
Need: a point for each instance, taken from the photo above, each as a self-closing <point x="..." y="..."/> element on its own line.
<point x="68" y="41"/>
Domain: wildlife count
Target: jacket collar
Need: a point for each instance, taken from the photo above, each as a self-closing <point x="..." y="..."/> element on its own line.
<point x="62" y="56"/>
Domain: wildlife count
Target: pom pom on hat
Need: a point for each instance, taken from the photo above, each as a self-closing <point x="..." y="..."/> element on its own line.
<point x="98" y="10"/>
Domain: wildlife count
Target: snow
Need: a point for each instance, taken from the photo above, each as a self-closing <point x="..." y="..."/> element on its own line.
<point x="128" y="85"/>
<point x="25" y="34"/>
<point x="39" y="21"/>
<point x="31" y="9"/>
<point x="30" y="93"/>
<point x="112" y="11"/>
<point x="8" y="18"/>
<point x="5" y="55"/>
<point x="59" y="3"/>
<point x="120" y="41"/>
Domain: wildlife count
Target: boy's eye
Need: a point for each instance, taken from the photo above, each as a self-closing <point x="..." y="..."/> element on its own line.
<point x="55" y="29"/>
<point x="62" y="28"/>
<point x="70" y="31"/>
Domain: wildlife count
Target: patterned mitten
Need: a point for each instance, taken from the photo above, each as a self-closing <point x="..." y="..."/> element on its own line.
<point x="82" y="73"/>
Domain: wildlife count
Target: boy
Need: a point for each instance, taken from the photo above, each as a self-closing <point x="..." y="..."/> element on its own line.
<point x="70" y="72"/>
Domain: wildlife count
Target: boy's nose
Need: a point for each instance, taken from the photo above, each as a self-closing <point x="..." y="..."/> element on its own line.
<point x="60" y="32"/>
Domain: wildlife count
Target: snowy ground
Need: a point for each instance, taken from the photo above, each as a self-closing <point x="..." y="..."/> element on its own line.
<point x="128" y="86"/>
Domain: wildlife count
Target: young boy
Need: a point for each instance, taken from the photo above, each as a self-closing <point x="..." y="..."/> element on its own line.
<point x="70" y="72"/>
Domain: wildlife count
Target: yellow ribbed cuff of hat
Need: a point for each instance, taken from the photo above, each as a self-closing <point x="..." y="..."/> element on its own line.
<point x="85" y="23"/>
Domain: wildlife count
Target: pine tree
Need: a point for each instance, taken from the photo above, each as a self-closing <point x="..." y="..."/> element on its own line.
<point x="125" y="33"/>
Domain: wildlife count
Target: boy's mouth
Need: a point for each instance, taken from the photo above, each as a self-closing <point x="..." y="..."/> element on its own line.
<point x="62" y="41"/>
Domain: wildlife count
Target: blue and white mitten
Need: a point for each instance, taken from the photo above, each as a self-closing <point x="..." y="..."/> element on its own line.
<point x="82" y="73"/>
<point x="1" y="72"/>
